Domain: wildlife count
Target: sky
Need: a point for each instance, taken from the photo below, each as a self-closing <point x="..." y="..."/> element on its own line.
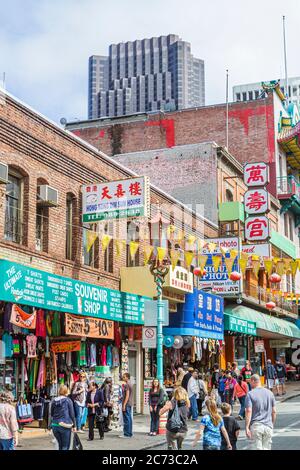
<point x="45" y="44"/>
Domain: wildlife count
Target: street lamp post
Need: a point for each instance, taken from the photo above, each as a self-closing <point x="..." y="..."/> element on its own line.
<point x="159" y="273"/>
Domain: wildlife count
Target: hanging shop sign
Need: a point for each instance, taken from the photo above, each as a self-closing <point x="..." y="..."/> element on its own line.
<point x="65" y="346"/>
<point x="149" y="337"/>
<point x="179" y="280"/>
<point x="256" y="201"/>
<point x="89" y="327"/>
<point x="257" y="228"/>
<point x="259" y="249"/>
<point x="28" y="286"/>
<point x="116" y="199"/>
<point x="280" y="343"/>
<point x="259" y="346"/>
<point x="217" y="246"/>
<point x="256" y="174"/>
<point x="239" y="325"/>
<point x="23" y="319"/>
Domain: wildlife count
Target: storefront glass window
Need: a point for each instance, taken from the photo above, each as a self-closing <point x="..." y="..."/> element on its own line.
<point x="255" y="359"/>
<point x="240" y="351"/>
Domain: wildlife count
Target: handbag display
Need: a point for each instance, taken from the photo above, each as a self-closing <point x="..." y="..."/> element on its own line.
<point x="24" y="412"/>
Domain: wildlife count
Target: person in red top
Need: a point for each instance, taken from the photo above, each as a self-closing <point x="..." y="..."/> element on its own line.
<point x="247" y="373"/>
<point x="240" y="392"/>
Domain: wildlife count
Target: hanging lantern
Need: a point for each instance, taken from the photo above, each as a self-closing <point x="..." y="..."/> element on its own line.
<point x="235" y="276"/>
<point x="275" y="278"/>
<point x="199" y="272"/>
<point x="270" y="305"/>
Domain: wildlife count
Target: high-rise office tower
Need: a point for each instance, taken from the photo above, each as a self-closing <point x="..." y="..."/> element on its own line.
<point x="145" y="75"/>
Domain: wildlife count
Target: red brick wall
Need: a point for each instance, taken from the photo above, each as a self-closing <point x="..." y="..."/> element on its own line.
<point x="251" y="130"/>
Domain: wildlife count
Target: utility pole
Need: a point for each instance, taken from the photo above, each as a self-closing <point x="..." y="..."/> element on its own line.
<point x="227" y="114"/>
<point x="285" y="62"/>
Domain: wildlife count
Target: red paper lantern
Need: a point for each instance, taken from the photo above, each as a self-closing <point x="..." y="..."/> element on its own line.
<point x="275" y="278"/>
<point x="235" y="276"/>
<point x="199" y="272"/>
<point x="270" y="305"/>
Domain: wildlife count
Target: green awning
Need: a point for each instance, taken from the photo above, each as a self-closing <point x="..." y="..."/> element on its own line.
<point x="264" y="322"/>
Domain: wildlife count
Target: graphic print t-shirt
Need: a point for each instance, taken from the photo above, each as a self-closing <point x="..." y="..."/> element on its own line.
<point x="212" y="433"/>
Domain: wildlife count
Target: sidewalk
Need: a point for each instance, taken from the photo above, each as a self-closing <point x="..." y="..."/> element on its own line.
<point x="39" y="439"/>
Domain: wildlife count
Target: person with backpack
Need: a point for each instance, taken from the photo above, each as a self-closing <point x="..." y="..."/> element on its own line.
<point x="240" y="391"/>
<point x="156" y="401"/>
<point x="270" y="375"/>
<point x="212" y="426"/>
<point x="176" y="428"/>
<point x="281" y="376"/>
<point x="246" y="372"/>
<point x="229" y="389"/>
<point x="215" y="377"/>
<point x="221" y="386"/>
<point x="202" y="394"/>
<point x="62" y="418"/>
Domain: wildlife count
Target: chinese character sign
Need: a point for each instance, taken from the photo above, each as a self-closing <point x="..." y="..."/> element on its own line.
<point x="256" y="174"/>
<point x="256" y="201"/>
<point x="256" y="228"/>
<point x="116" y="199"/>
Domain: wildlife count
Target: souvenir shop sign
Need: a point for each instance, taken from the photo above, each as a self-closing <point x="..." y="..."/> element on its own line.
<point x="88" y="326"/>
<point x="66" y="346"/>
<point x="116" y="199"/>
<point x="239" y="325"/>
<point x="28" y="286"/>
<point x="23" y="319"/>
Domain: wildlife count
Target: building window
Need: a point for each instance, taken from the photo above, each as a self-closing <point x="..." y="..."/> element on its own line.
<point x="70" y="235"/>
<point x="244" y="96"/>
<point x="90" y="245"/>
<point x="291" y="228"/>
<point x="132" y="236"/>
<point x="109" y="252"/>
<point x="286" y="225"/>
<point x="42" y="226"/>
<point x="13" y="229"/>
<point x="256" y="92"/>
<point x="250" y="95"/>
<point x="229" y="195"/>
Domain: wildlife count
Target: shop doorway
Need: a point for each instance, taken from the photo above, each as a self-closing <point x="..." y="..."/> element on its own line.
<point x="132" y="368"/>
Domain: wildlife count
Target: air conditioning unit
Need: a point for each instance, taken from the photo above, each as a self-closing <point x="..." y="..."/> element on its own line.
<point x="47" y="196"/>
<point x="3" y="173"/>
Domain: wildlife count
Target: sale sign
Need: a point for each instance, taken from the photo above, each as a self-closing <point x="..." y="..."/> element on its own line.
<point x="89" y="327"/>
<point x="65" y="346"/>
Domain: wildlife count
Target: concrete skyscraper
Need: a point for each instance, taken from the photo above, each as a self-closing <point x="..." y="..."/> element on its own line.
<point x="145" y="75"/>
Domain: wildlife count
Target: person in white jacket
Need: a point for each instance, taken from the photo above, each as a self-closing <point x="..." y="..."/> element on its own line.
<point x="193" y="393"/>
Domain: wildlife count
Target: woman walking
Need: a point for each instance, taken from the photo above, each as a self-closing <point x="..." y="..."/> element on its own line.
<point x="62" y="418"/>
<point x="202" y="394"/>
<point x="156" y="401"/>
<point x="247" y="372"/>
<point x="8" y="422"/>
<point x="95" y="404"/>
<point x="79" y="392"/>
<point x="211" y="427"/>
<point x="229" y="389"/>
<point x="181" y="403"/>
<point x="240" y="391"/>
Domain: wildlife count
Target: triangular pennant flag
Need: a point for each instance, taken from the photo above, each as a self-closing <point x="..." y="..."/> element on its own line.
<point x="229" y="264"/>
<point x="148" y="250"/>
<point x="191" y="239"/>
<point x="255" y="258"/>
<point x="179" y="235"/>
<point x="244" y="255"/>
<point x="133" y="248"/>
<point x="294" y="267"/>
<point x="200" y="243"/>
<point x="161" y="253"/>
<point x="255" y="267"/>
<point x="233" y="253"/>
<point x="268" y="263"/>
<point x="280" y="268"/>
<point x="212" y="247"/>
<point x="243" y="265"/>
<point x="224" y="250"/>
<point x="188" y="258"/>
<point x="170" y="231"/>
<point x="216" y="261"/>
<point x="105" y="241"/>
<point x="120" y="247"/>
<point x="202" y="259"/>
<point x="174" y="257"/>
<point x="287" y="265"/>
<point x="90" y="238"/>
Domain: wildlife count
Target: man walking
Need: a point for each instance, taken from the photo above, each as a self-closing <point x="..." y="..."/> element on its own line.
<point x="127" y="403"/>
<point x="193" y="394"/>
<point x="270" y="375"/>
<point x="186" y="378"/>
<point x="281" y="376"/>
<point x="260" y="415"/>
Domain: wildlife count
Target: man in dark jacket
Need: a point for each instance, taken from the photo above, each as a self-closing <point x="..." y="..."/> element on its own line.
<point x="271" y="376"/>
<point x="187" y="377"/>
<point x="62" y="418"/>
<point x="281" y="376"/>
<point x="215" y="377"/>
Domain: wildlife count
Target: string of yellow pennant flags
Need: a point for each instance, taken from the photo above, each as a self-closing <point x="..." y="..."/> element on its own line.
<point x="280" y="266"/>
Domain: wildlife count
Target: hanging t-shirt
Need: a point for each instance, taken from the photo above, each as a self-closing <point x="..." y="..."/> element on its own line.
<point x="117" y="335"/>
<point x="109" y="356"/>
<point x="115" y="357"/>
<point x="31" y="341"/>
<point x="56" y="331"/>
<point x="16" y="347"/>
<point x="41" y="330"/>
<point x="82" y="354"/>
<point x="103" y="356"/>
<point x="8" y="343"/>
<point x="93" y="355"/>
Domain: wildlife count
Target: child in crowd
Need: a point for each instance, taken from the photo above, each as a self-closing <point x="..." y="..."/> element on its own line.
<point x="231" y="425"/>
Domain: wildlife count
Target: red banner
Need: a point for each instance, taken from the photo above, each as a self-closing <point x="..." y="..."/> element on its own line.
<point x="23" y="319"/>
<point x="66" y="346"/>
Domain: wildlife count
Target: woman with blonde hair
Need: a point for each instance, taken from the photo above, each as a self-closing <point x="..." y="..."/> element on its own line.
<point x="79" y="393"/>
<point x="62" y="418"/>
<point x="178" y="411"/>
<point x="211" y="426"/>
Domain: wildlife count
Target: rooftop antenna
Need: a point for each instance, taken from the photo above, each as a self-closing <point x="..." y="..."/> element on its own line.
<point x="285" y="62"/>
<point x="227" y="109"/>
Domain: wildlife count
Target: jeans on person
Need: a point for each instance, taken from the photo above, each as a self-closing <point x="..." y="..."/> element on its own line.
<point x="84" y="417"/>
<point x="221" y="395"/>
<point x="127" y="420"/>
<point x="261" y="436"/>
<point x="7" y="444"/>
<point x="175" y="440"/>
<point x="228" y="397"/>
<point x="249" y="386"/>
<point x="99" y="425"/>
<point x="242" y="403"/>
<point x="154" y="425"/>
<point x="200" y="405"/>
<point x="79" y="410"/>
<point x="194" y="407"/>
<point x="63" y="437"/>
